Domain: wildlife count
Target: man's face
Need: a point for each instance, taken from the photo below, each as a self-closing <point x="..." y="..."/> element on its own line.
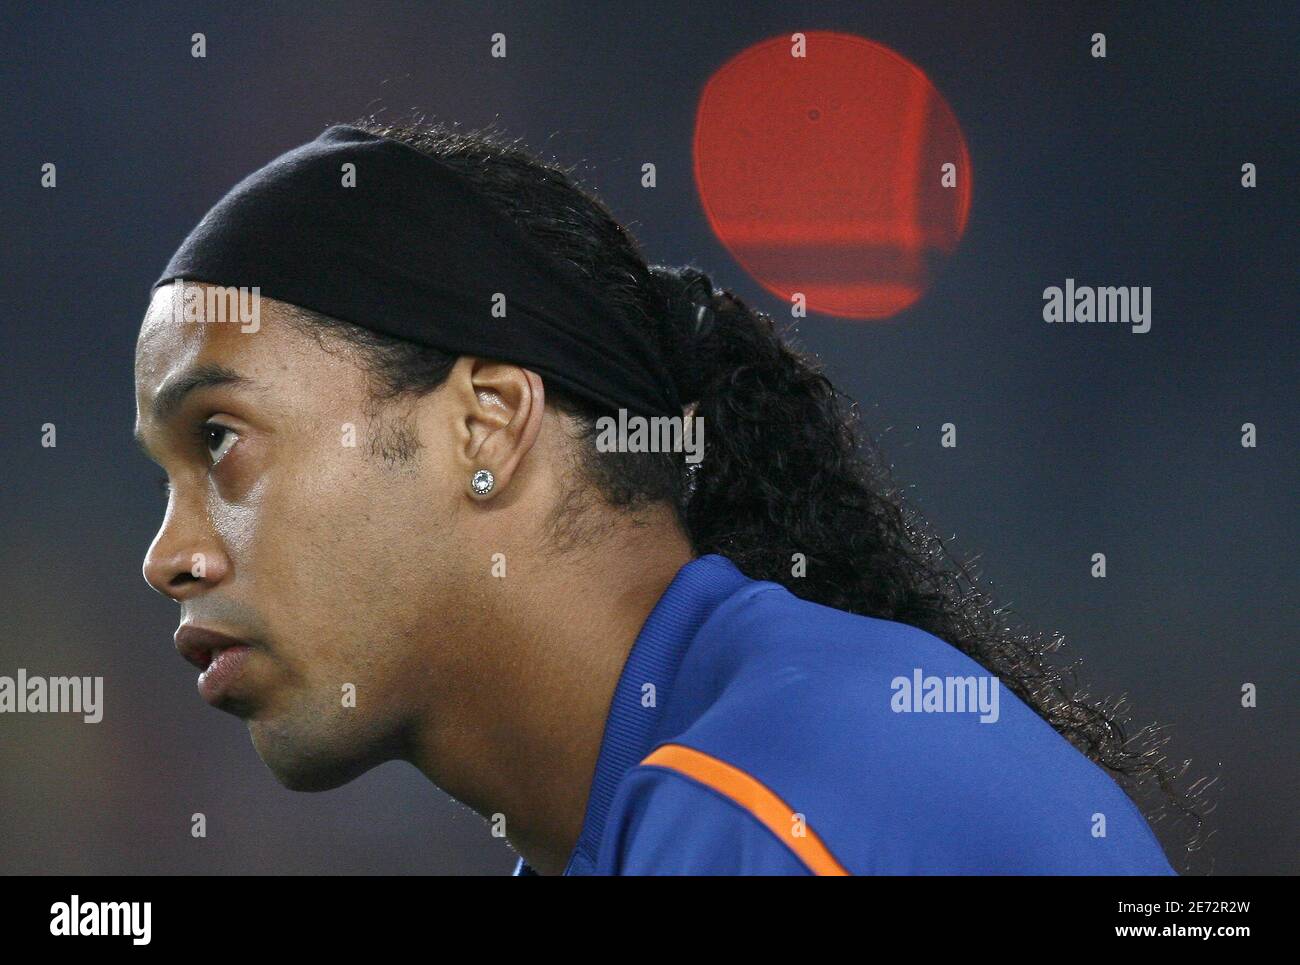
<point x="284" y="530"/>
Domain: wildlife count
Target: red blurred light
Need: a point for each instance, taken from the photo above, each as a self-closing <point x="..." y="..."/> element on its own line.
<point x="822" y="174"/>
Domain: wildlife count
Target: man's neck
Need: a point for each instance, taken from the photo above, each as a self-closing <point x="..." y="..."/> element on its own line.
<point x="522" y="749"/>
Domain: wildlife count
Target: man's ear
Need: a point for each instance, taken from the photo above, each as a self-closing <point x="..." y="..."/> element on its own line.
<point x="497" y="409"/>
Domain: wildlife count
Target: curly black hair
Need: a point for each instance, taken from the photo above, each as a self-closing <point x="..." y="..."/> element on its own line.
<point x="787" y="470"/>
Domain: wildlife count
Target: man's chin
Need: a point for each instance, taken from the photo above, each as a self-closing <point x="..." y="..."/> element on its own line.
<point x="302" y="765"/>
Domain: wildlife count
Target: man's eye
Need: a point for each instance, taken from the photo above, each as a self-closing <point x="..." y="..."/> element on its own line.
<point x="218" y="440"/>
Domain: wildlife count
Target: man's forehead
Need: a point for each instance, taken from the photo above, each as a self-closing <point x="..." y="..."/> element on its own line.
<point x="181" y="324"/>
<point x="200" y="303"/>
<point x="178" y="340"/>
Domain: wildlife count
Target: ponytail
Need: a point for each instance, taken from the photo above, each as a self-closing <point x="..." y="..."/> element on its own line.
<point x="785" y="491"/>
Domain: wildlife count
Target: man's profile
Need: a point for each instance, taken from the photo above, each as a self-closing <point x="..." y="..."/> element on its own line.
<point x="394" y="532"/>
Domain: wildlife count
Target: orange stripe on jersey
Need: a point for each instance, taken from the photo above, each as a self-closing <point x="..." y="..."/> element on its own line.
<point x="755" y="797"/>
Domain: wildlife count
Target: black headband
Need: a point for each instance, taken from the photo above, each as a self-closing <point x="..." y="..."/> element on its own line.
<point x="414" y="251"/>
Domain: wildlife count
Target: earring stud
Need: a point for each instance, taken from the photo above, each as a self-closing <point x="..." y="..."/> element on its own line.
<point x="482" y="482"/>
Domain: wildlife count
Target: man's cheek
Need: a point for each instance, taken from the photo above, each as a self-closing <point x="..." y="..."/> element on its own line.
<point x="238" y="522"/>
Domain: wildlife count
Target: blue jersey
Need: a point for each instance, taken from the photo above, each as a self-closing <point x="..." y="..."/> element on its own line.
<point x="752" y="732"/>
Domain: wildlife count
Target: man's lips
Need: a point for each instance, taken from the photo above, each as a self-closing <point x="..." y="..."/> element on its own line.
<point x="200" y="646"/>
<point x="220" y="657"/>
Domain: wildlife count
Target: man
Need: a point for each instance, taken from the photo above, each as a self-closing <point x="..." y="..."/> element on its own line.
<point x="400" y="526"/>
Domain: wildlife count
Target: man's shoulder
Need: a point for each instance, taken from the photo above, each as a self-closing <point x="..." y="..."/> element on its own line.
<point x="765" y="625"/>
<point x="810" y="673"/>
<point x="877" y="742"/>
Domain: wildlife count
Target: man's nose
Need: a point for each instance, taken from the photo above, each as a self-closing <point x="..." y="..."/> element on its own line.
<point x="183" y="561"/>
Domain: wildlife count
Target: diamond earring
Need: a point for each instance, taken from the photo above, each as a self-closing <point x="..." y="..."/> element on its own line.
<point x="482" y="482"/>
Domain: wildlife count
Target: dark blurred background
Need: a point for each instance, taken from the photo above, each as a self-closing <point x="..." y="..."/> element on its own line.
<point x="1072" y="439"/>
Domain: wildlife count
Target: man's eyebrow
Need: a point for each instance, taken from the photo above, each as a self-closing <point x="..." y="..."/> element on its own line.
<point x="203" y="376"/>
